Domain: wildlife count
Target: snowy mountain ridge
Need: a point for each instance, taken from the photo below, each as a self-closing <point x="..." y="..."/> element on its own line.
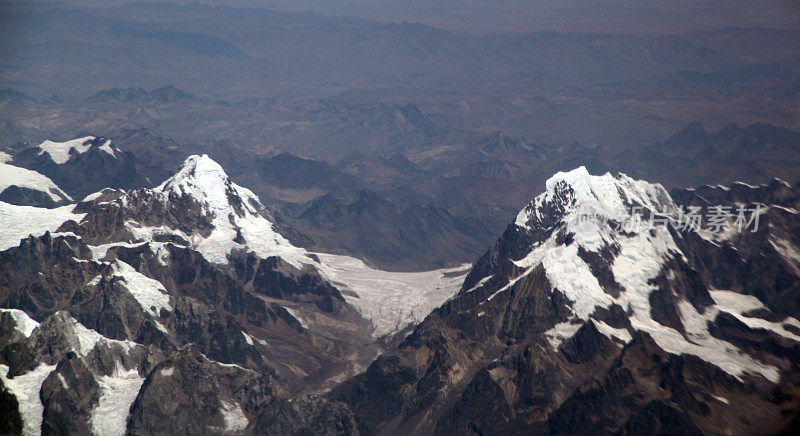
<point x="62" y="152"/>
<point x="580" y="243"/>
<point x="201" y="208"/>
<point x="611" y="197"/>
<point x="121" y="307"/>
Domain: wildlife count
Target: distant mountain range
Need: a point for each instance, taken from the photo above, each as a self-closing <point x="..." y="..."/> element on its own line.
<point x="606" y="87"/>
<point x="429" y="207"/>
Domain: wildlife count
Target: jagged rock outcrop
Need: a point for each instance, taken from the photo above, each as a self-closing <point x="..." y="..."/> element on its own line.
<point x="225" y="395"/>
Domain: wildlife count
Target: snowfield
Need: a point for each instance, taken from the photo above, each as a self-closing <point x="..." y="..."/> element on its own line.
<point x="18" y="222"/>
<point x="24" y="178"/>
<point x="59" y="152"/>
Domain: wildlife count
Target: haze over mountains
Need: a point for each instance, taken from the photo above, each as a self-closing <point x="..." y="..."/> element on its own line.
<point x="549" y="86"/>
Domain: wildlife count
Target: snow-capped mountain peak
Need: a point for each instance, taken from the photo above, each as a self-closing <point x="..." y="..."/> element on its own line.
<point x="203" y="179"/>
<point x="594" y="239"/>
<point x="232" y="215"/>
<point x="577" y="190"/>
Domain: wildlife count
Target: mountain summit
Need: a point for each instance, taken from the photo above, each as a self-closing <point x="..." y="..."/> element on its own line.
<point x="233" y="215"/>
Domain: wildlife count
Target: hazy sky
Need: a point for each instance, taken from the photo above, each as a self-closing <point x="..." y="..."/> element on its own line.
<point x="502" y="16"/>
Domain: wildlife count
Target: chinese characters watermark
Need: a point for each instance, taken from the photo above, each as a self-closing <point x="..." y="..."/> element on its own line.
<point x="714" y="219"/>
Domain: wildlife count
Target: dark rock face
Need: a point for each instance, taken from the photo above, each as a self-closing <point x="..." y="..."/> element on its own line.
<point x="482" y="409"/>
<point x="10" y="421"/>
<point x="30" y="197"/>
<point x="393" y="234"/>
<point x="694" y="156"/>
<point x="106" y="195"/>
<point x="306" y="415"/>
<point x="26" y="273"/>
<point x="68" y="394"/>
<point x="165" y="94"/>
<point x="274" y="277"/>
<point x="751" y="262"/>
<point x="189" y="393"/>
<point x="106" y="221"/>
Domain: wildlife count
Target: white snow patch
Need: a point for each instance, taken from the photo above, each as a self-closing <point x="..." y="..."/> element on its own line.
<point x="233" y="415"/>
<point x="161" y="252"/>
<point x="87" y="338"/>
<point x="59" y="151"/>
<point x="63" y="381"/>
<point x="297" y="317"/>
<point x="5" y="157"/>
<point x="508" y="285"/>
<point x="117" y="394"/>
<point x="94" y="281"/>
<point x="18" y="222"/>
<point x="167" y="372"/>
<point x="228" y="365"/>
<point x="100" y="251"/>
<point x="621" y="334"/>
<point x="83" y="340"/>
<point x="25" y="178"/>
<point x="93" y="196"/>
<point x="788" y="251"/>
<point x="149" y="293"/>
<point x="568" y="273"/>
<point x="25" y="324"/>
<point x="480" y="283"/>
<point x="718" y="352"/>
<point x="26" y="388"/>
<point x="737" y="304"/>
<point x="561" y="332"/>
<point x="108" y="148"/>
<point x="721" y="399"/>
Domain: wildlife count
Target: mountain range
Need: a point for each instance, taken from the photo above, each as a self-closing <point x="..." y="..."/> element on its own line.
<point x="583" y="316"/>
